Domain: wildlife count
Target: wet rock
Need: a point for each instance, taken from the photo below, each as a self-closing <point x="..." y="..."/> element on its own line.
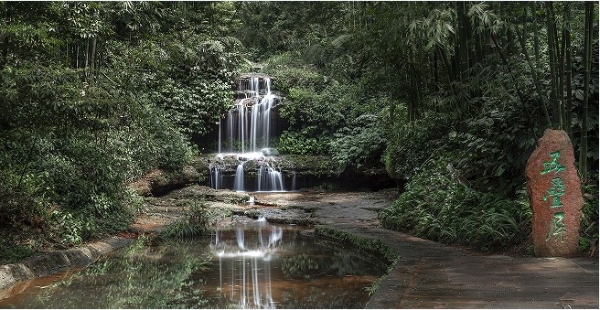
<point x="55" y="262"/>
<point x="554" y="190"/>
<point x="206" y="193"/>
<point x="158" y="182"/>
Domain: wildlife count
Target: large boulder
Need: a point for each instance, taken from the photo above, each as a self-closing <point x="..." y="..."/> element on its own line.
<point x="554" y="190"/>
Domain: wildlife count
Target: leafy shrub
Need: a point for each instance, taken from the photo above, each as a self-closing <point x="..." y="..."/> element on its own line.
<point x="438" y="206"/>
<point x="195" y="222"/>
<point x="303" y="142"/>
<point x="588" y="230"/>
<point x="410" y="145"/>
<point x="495" y="147"/>
<point x="361" y="143"/>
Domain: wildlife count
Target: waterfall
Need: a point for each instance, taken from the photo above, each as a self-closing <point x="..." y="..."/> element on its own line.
<point x="239" y="178"/>
<point x="249" y="121"/>
<point x="246" y="131"/>
<point x="216" y="177"/>
<point x="220" y="139"/>
<point x="269" y="179"/>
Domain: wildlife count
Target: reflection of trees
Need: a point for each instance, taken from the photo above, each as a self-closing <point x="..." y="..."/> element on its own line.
<point x="298" y="265"/>
<point x="157" y="277"/>
<point x="334" y="260"/>
<point x="345" y="263"/>
<point x="319" y="297"/>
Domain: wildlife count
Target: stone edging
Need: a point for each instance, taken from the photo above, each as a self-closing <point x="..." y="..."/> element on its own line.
<point x="55" y="262"/>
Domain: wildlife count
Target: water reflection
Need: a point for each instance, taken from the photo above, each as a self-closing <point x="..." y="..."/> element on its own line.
<point x="248" y="285"/>
<point x="256" y="265"/>
<point x="259" y="265"/>
<point x="137" y="277"/>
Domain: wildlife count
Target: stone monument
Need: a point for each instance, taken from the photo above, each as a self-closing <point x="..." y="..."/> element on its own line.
<point x="554" y="190"/>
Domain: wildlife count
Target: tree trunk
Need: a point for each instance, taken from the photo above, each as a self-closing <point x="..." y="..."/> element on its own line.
<point x="463" y="42"/>
<point x="536" y="37"/>
<point x="92" y="61"/>
<point x="568" y="71"/>
<point x="553" y="64"/>
<point x="589" y="22"/>
<point x="561" y="72"/>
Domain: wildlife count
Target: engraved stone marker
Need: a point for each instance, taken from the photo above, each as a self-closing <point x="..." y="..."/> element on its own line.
<point x="554" y="192"/>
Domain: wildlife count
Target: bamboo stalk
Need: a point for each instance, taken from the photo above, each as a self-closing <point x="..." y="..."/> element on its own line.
<point x="553" y="65"/>
<point x="536" y="81"/>
<point x="568" y="72"/>
<point x="536" y="39"/>
<point x="589" y="9"/>
<point x="511" y="74"/>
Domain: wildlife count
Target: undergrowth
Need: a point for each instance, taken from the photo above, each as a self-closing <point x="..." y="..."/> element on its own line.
<point x="195" y="222"/>
<point x="438" y="206"/>
<point x="588" y="230"/>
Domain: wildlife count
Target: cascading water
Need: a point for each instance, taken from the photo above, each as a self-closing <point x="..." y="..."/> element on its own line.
<point x="248" y="128"/>
<point x="238" y="184"/>
<point x="269" y="178"/>
<point x="216" y="177"/>
<point x="249" y="121"/>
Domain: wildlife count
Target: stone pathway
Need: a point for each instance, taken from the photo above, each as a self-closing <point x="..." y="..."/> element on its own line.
<point x="431" y="275"/>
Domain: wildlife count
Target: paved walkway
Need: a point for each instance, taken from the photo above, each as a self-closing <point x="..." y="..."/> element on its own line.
<point x="431" y="275"/>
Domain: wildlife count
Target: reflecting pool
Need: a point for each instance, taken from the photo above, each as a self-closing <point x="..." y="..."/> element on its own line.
<point x="252" y="265"/>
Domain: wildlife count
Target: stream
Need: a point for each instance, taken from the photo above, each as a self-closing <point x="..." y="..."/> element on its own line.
<point x="248" y="265"/>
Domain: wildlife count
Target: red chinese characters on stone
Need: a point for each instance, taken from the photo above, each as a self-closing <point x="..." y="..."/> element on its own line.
<point x="554" y="192"/>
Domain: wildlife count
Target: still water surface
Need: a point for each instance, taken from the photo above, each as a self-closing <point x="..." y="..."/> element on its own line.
<point x="254" y="265"/>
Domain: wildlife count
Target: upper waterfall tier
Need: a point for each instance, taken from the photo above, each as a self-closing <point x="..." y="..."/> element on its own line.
<point x="251" y="85"/>
<point x="249" y="124"/>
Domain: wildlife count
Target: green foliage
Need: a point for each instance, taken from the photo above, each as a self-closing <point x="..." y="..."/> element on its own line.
<point x="195" y="222"/>
<point x="13" y="253"/>
<point x="412" y="144"/>
<point x="439" y="206"/>
<point x="85" y="108"/>
<point x="72" y="228"/>
<point x="588" y="230"/>
<point x="271" y="28"/>
<point x="188" y="76"/>
<point x="360" y="145"/>
<point x="319" y="110"/>
<point x="303" y="142"/>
